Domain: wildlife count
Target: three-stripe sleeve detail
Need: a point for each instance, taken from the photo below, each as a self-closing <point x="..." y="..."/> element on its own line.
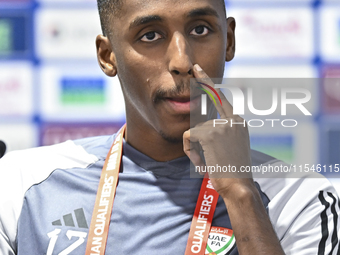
<point x="325" y="231"/>
<point x="335" y="219"/>
<point x="324" y="223"/>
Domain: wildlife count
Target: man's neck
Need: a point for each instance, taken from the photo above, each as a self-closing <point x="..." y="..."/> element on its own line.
<point x="148" y="141"/>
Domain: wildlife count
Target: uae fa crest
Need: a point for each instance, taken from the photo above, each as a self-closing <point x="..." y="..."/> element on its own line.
<point x="220" y="242"/>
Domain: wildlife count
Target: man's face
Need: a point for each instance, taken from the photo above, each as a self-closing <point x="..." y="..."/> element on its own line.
<point x="155" y="45"/>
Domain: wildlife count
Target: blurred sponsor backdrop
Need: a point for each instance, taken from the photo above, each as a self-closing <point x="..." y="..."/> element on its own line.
<point x="51" y="88"/>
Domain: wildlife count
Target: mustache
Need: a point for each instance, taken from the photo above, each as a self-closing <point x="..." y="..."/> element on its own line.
<point x="177" y="90"/>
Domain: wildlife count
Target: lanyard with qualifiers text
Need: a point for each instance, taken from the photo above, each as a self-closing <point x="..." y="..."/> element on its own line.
<point x="99" y="228"/>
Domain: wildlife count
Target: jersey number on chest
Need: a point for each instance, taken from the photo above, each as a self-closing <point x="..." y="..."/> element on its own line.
<point x="70" y="234"/>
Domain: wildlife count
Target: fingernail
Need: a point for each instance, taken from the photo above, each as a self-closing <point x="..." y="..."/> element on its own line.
<point x="198" y="68"/>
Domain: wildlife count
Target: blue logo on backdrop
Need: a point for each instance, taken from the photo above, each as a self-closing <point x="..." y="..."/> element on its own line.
<point x="91" y="91"/>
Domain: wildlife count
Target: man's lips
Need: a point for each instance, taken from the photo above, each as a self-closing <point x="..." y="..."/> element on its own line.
<point x="182" y="105"/>
<point x="179" y="99"/>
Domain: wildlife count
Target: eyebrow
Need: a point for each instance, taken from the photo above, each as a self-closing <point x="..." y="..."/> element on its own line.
<point x="144" y="20"/>
<point x="207" y="11"/>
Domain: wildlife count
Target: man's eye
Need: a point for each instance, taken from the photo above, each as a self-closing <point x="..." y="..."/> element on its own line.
<point x="151" y="37"/>
<point x="200" y="30"/>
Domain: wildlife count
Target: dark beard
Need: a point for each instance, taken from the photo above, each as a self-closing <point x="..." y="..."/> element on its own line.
<point x="171" y="139"/>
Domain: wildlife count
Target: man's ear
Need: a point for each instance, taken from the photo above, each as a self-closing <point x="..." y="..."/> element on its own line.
<point x="105" y="55"/>
<point x="230" y="53"/>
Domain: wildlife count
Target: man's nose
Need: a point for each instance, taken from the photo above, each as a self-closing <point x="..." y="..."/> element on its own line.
<point x="180" y="56"/>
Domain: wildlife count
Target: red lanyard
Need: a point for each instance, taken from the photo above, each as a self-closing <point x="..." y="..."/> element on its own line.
<point x="101" y="216"/>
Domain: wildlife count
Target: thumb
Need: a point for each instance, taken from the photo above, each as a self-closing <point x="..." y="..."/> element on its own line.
<point x="191" y="149"/>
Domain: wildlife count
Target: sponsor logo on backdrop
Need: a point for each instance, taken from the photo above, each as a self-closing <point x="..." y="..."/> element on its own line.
<point x="5" y="36"/>
<point x="57" y="133"/>
<point x="61" y="39"/>
<point x="57" y="32"/>
<point x="11" y="94"/>
<point x="285" y="28"/>
<point x="83" y="91"/>
<point x="16" y="90"/>
<point x="12" y="85"/>
<point x="274" y="32"/>
<point x="13" y="34"/>
<point x="331" y="89"/>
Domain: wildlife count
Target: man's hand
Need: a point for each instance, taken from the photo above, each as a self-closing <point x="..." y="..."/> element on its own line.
<point x="228" y="145"/>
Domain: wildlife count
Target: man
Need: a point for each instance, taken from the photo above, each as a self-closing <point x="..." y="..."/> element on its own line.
<point x="155" y="47"/>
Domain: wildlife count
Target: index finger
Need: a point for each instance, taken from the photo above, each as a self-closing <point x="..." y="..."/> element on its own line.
<point x="224" y="108"/>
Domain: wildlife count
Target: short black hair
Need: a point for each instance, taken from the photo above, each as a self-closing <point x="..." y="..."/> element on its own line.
<point x="108" y="8"/>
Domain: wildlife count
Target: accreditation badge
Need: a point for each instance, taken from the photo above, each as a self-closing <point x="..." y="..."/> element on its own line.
<point x="220" y="241"/>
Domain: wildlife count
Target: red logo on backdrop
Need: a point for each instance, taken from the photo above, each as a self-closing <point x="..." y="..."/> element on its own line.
<point x="291" y="26"/>
<point x="331" y="90"/>
<point x="11" y="85"/>
<point x="57" y="133"/>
